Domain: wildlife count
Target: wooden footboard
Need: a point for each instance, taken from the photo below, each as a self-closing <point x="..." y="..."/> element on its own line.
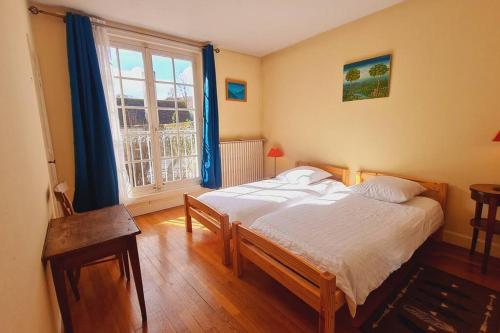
<point x="315" y="287"/>
<point x="213" y="220"/>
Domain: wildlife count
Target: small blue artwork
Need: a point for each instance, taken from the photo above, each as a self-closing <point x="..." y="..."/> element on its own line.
<point x="366" y="79"/>
<point x="236" y="90"/>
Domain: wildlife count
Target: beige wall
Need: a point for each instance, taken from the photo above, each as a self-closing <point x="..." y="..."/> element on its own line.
<point x="239" y="120"/>
<point x="25" y="302"/>
<point x="49" y="34"/>
<point x="443" y="109"/>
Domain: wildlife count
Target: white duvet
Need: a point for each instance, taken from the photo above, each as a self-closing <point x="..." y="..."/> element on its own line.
<point x="360" y="240"/>
<point x="245" y="203"/>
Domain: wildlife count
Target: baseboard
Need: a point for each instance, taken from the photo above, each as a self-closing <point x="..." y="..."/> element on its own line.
<point x="465" y="241"/>
<point x="169" y="200"/>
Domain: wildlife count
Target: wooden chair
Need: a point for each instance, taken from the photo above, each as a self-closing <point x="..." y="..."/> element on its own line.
<point x="60" y="192"/>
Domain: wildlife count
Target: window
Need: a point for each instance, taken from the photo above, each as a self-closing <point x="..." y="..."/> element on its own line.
<point x="156" y="101"/>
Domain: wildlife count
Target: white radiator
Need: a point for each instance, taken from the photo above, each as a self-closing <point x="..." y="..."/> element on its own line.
<point x="242" y="162"/>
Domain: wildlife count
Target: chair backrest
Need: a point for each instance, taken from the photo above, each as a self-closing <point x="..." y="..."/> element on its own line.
<point x="60" y="191"/>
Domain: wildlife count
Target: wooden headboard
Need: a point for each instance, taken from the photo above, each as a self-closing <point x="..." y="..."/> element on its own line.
<point x="436" y="191"/>
<point x="340" y="174"/>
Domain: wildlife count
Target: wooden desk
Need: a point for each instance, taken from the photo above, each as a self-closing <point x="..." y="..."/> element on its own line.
<point x="490" y="195"/>
<point x="75" y="240"/>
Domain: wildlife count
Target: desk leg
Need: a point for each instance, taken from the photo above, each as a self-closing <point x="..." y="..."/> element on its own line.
<point x="475" y="231"/>
<point x="492" y="214"/>
<point x="119" y="257"/>
<point x="125" y="263"/>
<point x="73" y="283"/>
<point x="136" y="270"/>
<point x="189" y="223"/>
<point x="62" y="297"/>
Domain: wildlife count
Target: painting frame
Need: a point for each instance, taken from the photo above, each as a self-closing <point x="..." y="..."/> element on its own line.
<point x="233" y="95"/>
<point x="367" y="79"/>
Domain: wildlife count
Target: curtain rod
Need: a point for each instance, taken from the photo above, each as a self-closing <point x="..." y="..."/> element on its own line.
<point x="120" y="26"/>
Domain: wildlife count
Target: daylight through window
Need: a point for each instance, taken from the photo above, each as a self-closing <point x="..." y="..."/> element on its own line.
<point x="155" y="97"/>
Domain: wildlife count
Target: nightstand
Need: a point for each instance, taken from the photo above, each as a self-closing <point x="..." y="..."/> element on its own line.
<point x="488" y="194"/>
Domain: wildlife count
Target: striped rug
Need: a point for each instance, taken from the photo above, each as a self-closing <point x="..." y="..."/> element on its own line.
<point x="430" y="300"/>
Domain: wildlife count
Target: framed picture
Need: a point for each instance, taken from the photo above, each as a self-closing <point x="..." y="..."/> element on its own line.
<point x="236" y="90"/>
<point x="367" y="79"/>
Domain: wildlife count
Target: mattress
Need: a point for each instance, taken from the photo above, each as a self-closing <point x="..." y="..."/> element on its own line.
<point x="360" y="240"/>
<point x="245" y="203"/>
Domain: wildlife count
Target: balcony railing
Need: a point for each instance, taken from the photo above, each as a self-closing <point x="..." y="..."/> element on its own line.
<point x="178" y="155"/>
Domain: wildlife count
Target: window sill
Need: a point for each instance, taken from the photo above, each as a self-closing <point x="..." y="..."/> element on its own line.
<point x="146" y="194"/>
<point x="148" y="203"/>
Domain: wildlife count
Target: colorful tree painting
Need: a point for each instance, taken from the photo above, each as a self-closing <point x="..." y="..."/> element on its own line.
<point x="367" y="79"/>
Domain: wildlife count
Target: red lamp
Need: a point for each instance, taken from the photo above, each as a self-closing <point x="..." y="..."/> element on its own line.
<point x="275" y="152"/>
<point x="497" y="138"/>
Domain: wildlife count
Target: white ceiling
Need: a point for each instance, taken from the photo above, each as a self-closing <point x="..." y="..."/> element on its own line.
<point x="256" y="27"/>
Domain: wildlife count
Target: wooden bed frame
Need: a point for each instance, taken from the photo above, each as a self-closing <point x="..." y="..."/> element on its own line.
<point x="314" y="286"/>
<point x="219" y="223"/>
<point x="436" y="191"/>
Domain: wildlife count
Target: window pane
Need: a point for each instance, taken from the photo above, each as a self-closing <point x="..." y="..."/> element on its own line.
<point x="185" y="97"/>
<point x="130" y="180"/>
<point x="125" y="150"/>
<point x="113" y="60"/>
<point x="186" y="120"/>
<point x="148" y="169"/>
<point x="170" y="170"/>
<point x="117" y="90"/>
<point x="162" y="68"/>
<point x="168" y="144"/>
<point x="137" y="119"/>
<point x="140" y="147"/>
<point x="134" y="92"/>
<point x="165" y="95"/>
<point x="130" y="176"/>
<point x="183" y="71"/>
<point x="187" y="144"/>
<point x="189" y="168"/>
<point x="141" y="173"/>
<point x="131" y="64"/>
<point x="120" y="116"/>
<point x="167" y="120"/>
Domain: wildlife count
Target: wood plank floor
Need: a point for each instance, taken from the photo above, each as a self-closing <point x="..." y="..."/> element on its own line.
<point x="188" y="290"/>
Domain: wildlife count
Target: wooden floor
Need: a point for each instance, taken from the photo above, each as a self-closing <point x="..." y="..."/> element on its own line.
<point x="188" y="290"/>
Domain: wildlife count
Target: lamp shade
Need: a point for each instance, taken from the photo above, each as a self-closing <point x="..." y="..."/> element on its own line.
<point x="497" y="138"/>
<point x="275" y="152"/>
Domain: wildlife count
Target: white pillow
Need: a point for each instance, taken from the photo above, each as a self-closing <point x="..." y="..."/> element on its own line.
<point x="303" y="175"/>
<point x="387" y="188"/>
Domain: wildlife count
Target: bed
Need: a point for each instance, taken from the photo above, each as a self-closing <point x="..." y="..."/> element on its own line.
<point x="302" y="245"/>
<point x="245" y="203"/>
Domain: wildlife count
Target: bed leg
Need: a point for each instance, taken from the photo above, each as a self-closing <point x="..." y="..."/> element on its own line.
<point x="237" y="259"/>
<point x="327" y="311"/>
<point x="225" y="240"/>
<point x="189" y="224"/>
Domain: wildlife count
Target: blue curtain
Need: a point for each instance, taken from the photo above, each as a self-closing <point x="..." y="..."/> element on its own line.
<point x="96" y="181"/>
<point x="211" y="174"/>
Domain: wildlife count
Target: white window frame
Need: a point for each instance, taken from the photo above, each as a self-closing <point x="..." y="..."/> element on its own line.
<point x="149" y="46"/>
